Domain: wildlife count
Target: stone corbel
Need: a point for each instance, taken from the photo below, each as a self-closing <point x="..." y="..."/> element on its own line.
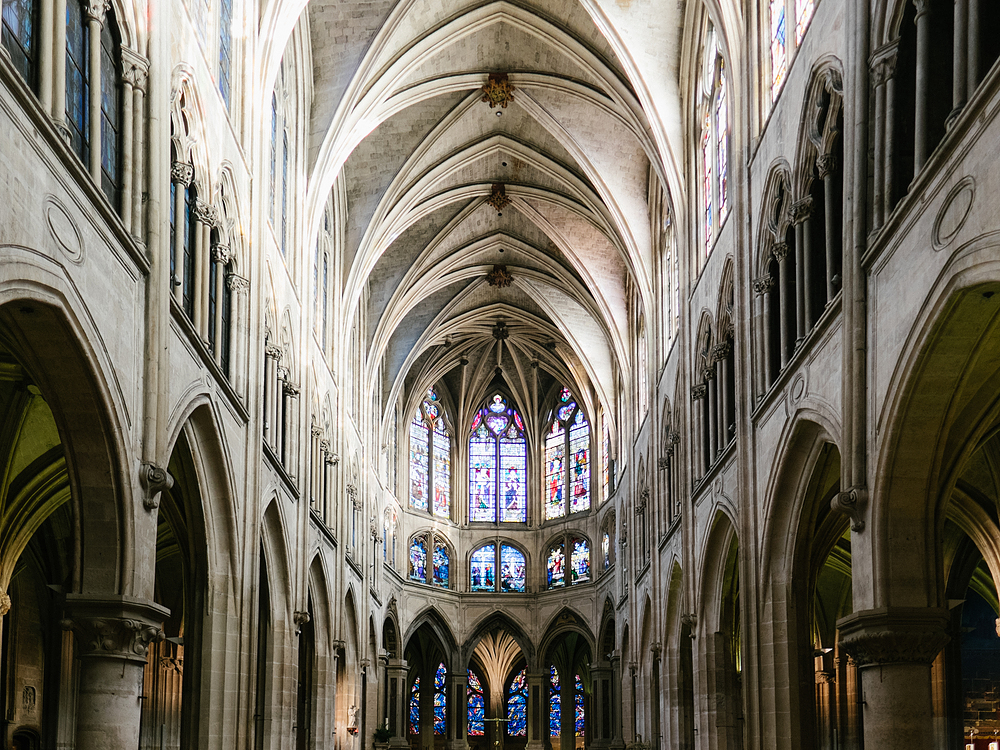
<point x="852" y="504"/>
<point x="300" y="618"/>
<point x="135" y="68"/>
<point x="699" y="392"/>
<point x="691" y="620"/>
<point x="237" y="284"/>
<point x="4" y="603"/>
<point x="154" y="480"/>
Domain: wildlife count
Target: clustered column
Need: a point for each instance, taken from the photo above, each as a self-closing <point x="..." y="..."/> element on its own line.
<point x="135" y="69"/>
<point x="181" y="175"/>
<point x="762" y="287"/>
<point x="801" y="215"/>
<point x="205" y="216"/>
<point x="698" y="394"/>
<point x="780" y="252"/>
<point x="272" y="356"/>
<point x="537" y="710"/>
<point x="882" y="72"/>
<point x="396" y="672"/>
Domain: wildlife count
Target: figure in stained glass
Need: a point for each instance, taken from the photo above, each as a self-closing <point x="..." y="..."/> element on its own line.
<point x="606" y="549"/>
<point x="555" y="713"/>
<point x="778" y="55"/>
<point x="439" y="699"/>
<point x="418" y="560"/>
<point x="430" y="459"/>
<point x="512" y="569"/>
<point x="580" y="561"/>
<point x="556" y="562"/>
<point x="517" y="706"/>
<point x="498" y="465"/>
<point x="477" y="706"/>
<point x="418" y="463"/>
<point x="483" y="568"/>
<point x="578" y="718"/>
<point x="441" y="561"/>
<point x="567" y="482"/>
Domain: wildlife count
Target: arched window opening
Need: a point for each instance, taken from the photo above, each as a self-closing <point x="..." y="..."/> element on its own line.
<point x="605" y="456"/>
<point x="517" y="705"/>
<point x="430" y="458"/>
<point x="608" y="542"/>
<point x="439" y="573"/>
<point x="498" y="464"/>
<point x="572" y="550"/>
<point x="440" y="700"/>
<point x="20" y="37"/>
<point x="567" y="482"/>
<point x="272" y="191"/>
<point x="476" y="701"/>
<point x="505" y="558"/>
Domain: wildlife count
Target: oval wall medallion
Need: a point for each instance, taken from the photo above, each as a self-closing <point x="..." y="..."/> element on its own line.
<point x="63" y="229"/>
<point x="798" y="389"/>
<point x="955" y="210"/>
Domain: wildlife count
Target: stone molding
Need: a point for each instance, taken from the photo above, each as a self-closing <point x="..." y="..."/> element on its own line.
<point x="699" y="391"/>
<point x="894" y="635"/>
<point x="114" y="627"/>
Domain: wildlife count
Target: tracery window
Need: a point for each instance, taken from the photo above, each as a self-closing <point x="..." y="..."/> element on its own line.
<point x="570" y="552"/>
<point x="490" y="558"/>
<point x="439" y="571"/>
<point x="714" y="145"/>
<point x="20" y="37"/>
<point x="282" y="142"/>
<point x="430" y="458"/>
<point x="498" y="464"/>
<point x="517" y="705"/>
<point x="440" y="700"/>
<point x="567" y="460"/>
<point x="477" y="706"/>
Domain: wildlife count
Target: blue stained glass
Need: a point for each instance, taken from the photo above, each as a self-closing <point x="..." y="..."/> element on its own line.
<point x="578" y="701"/>
<point x="565" y="411"/>
<point x="441" y="561"/>
<point x="77" y="80"/>
<point x="439" y="699"/>
<point x="418" y="561"/>
<point x="555" y="712"/>
<point x="556" y="565"/>
<point x="512" y="569"/>
<point x="110" y="106"/>
<point x="418" y="463"/>
<point x="565" y="395"/>
<point x="483" y="572"/>
<point x="517" y="706"/>
<point x="580" y="561"/>
<point x="496" y="423"/>
<point x="477" y="706"/>
<point x="415" y="706"/>
<point x="514" y="470"/>
<point x="778" y="54"/>
<point x="19" y="35"/>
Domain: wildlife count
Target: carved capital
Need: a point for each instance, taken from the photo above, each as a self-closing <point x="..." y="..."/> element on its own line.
<point x="826" y="165"/>
<point x="675" y="437"/>
<point x="236" y="283"/>
<point x="300" y="618"/>
<point x="154" y="479"/>
<point x="273" y="352"/>
<point x="708" y="372"/>
<point x="332" y="459"/>
<point x="316" y="431"/>
<point x="205" y="212"/>
<point x="922" y="6"/>
<point x="894" y="635"/>
<point x="181" y="173"/>
<point x="779" y="251"/>
<point x="114" y="627"/>
<point x="97" y="10"/>
<point x="852" y="504"/>
<point x="4" y="603"/>
<point x="352" y="493"/>
<point x="699" y="391"/>
<point x="221" y="254"/>
<point x="135" y="69"/>
<point x="883" y="64"/>
<point x="291" y="390"/>
<point x="763" y="284"/>
<point x="663" y="463"/>
<point x="802" y="210"/>
<point x="722" y="350"/>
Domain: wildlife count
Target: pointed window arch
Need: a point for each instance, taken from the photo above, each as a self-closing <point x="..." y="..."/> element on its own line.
<point x="498" y="464"/>
<point x="567" y="460"/>
<point x="430" y="560"/>
<point x="714" y="144"/>
<point x="430" y="458"/>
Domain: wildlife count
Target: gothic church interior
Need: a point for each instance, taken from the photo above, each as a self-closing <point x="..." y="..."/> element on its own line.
<point x="525" y="374"/>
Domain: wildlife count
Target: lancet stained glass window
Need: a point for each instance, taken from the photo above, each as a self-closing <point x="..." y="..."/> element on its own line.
<point x="77" y="80"/>
<point x="507" y="559"/>
<point x="441" y="561"/>
<point x="605" y="455"/>
<point x="440" y="701"/>
<point x="430" y="458"/>
<point x="803" y="15"/>
<point x="556" y="566"/>
<point x="418" y="560"/>
<point x="555" y="713"/>
<point x="415" y="706"/>
<point x="573" y="551"/>
<point x="580" y="562"/>
<point x="512" y="569"/>
<point x="438" y="573"/>
<point x="778" y="51"/>
<point x="606" y="549"/>
<point x="498" y="464"/>
<point x="19" y="34"/>
<point x="110" y="108"/>
<point x="578" y="716"/>
<point x="517" y="705"/>
<point x="567" y="460"/>
<point x="722" y="139"/>
<point x="483" y="568"/>
<point x="477" y="706"/>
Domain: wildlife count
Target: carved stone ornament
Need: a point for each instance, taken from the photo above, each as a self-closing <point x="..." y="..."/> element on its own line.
<point x="826" y="165"/>
<point x="852" y="504"/>
<point x="708" y="372"/>
<point x="181" y="173"/>
<point x="498" y="197"/>
<point x="352" y="493"/>
<point x="204" y="212"/>
<point x="663" y="463"/>
<point x="763" y="284"/>
<point x="779" y="251"/>
<point x="498" y="91"/>
<point x="273" y="352"/>
<point x="883" y="64"/>
<point x="499" y="277"/>
<point x="675" y="437"/>
<point x="291" y="390"/>
<point x="221" y="254"/>
<point x="500" y="332"/>
<point x="316" y="431"/>
<point x="722" y="350"/>
<point x="236" y="283"/>
<point x="699" y="391"/>
<point x="154" y="480"/>
<point x="894" y="635"/>
<point x="300" y="618"/>
<point x="691" y="620"/>
<point x="135" y="69"/>
<point x="98" y="10"/>
<point x="114" y="627"/>
<point x="802" y="210"/>
<point x="4" y="603"/>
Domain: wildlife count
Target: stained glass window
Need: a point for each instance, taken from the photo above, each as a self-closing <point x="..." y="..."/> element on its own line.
<point x="567" y="483"/>
<point x="578" y="718"/>
<point x="225" y="49"/>
<point x="498" y="465"/>
<point x="555" y="714"/>
<point x="579" y="449"/>
<point x="803" y="15"/>
<point x="483" y="568"/>
<point x="556" y="566"/>
<point x="606" y="549"/>
<point x="605" y="455"/>
<point x="418" y="560"/>
<point x="580" y="561"/>
<point x="441" y="560"/>
<point x="722" y="136"/>
<point x="284" y="193"/>
<point x="778" y="53"/>
<point x="77" y="80"/>
<point x="439" y="699"/>
<point x="555" y="472"/>
<point x="477" y="706"/>
<point x="512" y="569"/>
<point x="706" y="165"/>
<point x="274" y="156"/>
<point x="415" y="706"/>
<point x="20" y="25"/>
<point x="110" y="108"/>
<point x="517" y="706"/>
<point x="430" y="458"/>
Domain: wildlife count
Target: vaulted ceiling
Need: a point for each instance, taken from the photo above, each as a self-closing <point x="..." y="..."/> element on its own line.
<point x="400" y="132"/>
